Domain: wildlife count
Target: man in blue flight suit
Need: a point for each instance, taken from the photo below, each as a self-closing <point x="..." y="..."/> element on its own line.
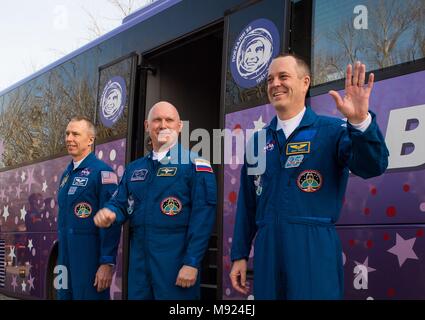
<point x="293" y="205"/>
<point x="169" y="196"/>
<point x="87" y="252"/>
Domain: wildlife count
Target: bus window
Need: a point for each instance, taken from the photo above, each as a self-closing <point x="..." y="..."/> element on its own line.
<point x="379" y="33"/>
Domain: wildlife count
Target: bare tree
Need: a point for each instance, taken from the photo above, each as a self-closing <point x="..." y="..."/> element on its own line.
<point x="396" y="34"/>
<point x="419" y="34"/>
<point x="100" y="25"/>
<point x="328" y="66"/>
<point x="390" y="20"/>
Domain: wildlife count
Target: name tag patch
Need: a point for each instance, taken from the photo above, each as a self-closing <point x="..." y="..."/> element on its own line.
<point x="80" y="181"/>
<point x="297" y="148"/>
<point x="167" y="172"/>
<point x="139" y="175"/>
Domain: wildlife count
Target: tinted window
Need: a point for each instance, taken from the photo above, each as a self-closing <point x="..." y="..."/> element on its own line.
<point x="33" y="117"/>
<point x="382" y="33"/>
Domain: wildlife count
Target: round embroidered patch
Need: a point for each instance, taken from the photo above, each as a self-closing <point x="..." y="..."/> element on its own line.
<point x="309" y="180"/>
<point x="171" y="206"/>
<point x="82" y="210"/>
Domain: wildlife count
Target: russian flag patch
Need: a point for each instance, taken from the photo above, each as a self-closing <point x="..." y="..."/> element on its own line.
<point x="109" y="177"/>
<point x="203" y="165"/>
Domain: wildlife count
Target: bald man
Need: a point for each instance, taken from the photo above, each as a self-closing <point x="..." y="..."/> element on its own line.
<point x="171" y="208"/>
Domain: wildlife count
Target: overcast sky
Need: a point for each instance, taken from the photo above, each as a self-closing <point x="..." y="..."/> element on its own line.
<point x="36" y="33"/>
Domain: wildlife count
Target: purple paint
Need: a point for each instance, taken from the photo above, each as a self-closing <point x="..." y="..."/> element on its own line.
<point x="28" y="217"/>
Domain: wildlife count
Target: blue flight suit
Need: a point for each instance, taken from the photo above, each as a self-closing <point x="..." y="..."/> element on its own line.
<point x="171" y="208"/>
<point x="292" y="207"/>
<point x="83" y="247"/>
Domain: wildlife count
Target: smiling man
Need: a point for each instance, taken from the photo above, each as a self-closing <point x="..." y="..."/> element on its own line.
<point x="86" y="251"/>
<point x="293" y="206"/>
<point x="171" y="209"/>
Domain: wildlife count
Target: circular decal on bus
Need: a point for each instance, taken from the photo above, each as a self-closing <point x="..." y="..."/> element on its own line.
<point x="83" y="210"/>
<point x="254" y="49"/>
<point x="112" y="101"/>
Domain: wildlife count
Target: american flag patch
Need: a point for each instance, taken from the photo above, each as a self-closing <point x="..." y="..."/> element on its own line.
<point x="109" y="177"/>
<point x="203" y="165"/>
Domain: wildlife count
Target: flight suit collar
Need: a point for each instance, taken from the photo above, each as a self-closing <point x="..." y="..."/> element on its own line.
<point x="171" y="151"/>
<point x="86" y="162"/>
<point x="308" y="119"/>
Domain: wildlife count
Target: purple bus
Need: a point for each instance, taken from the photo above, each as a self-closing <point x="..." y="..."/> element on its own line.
<point x="210" y="58"/>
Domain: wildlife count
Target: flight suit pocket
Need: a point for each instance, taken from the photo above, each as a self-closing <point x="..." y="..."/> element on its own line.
<point x="210" y="190"/>
<point x="137" y="189"/>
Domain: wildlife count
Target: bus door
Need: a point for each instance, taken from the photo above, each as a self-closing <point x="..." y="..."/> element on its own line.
<point x="116" y="115"/>
<point x="188" y="74"/>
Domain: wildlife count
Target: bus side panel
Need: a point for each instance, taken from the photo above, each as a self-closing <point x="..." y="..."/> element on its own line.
<point x="383" y="262"/>
<point x="28" y="216"/>
<point x="28" y="222"/>
<point x="398" y="196"/>
<point x="27" y="256"/>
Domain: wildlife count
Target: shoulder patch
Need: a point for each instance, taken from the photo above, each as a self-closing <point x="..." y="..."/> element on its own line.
<point x="203" y="165"/>
<point x="109" y="177"/>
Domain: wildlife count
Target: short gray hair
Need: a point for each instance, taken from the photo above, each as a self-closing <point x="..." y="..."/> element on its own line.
<point x="89" y="123"/>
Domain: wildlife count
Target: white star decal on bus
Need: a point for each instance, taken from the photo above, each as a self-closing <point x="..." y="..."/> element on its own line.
<point x="403" y="249"/>
<point x="31" y="282"/>
<point x="14" y="284"/>
<point x="12" y="252"/>
<point x="44" y="188"/>
<point x="5" y="212"/>
<point x="23" y="213"/>
<point x="30" y="245"/>
<point x="259" y="124"/>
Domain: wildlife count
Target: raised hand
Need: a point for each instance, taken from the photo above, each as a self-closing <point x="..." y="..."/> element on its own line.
<point x="355" y="105"/>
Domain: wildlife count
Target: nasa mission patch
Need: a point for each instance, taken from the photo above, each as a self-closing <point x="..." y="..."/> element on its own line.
<point x="253" y="51"/>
